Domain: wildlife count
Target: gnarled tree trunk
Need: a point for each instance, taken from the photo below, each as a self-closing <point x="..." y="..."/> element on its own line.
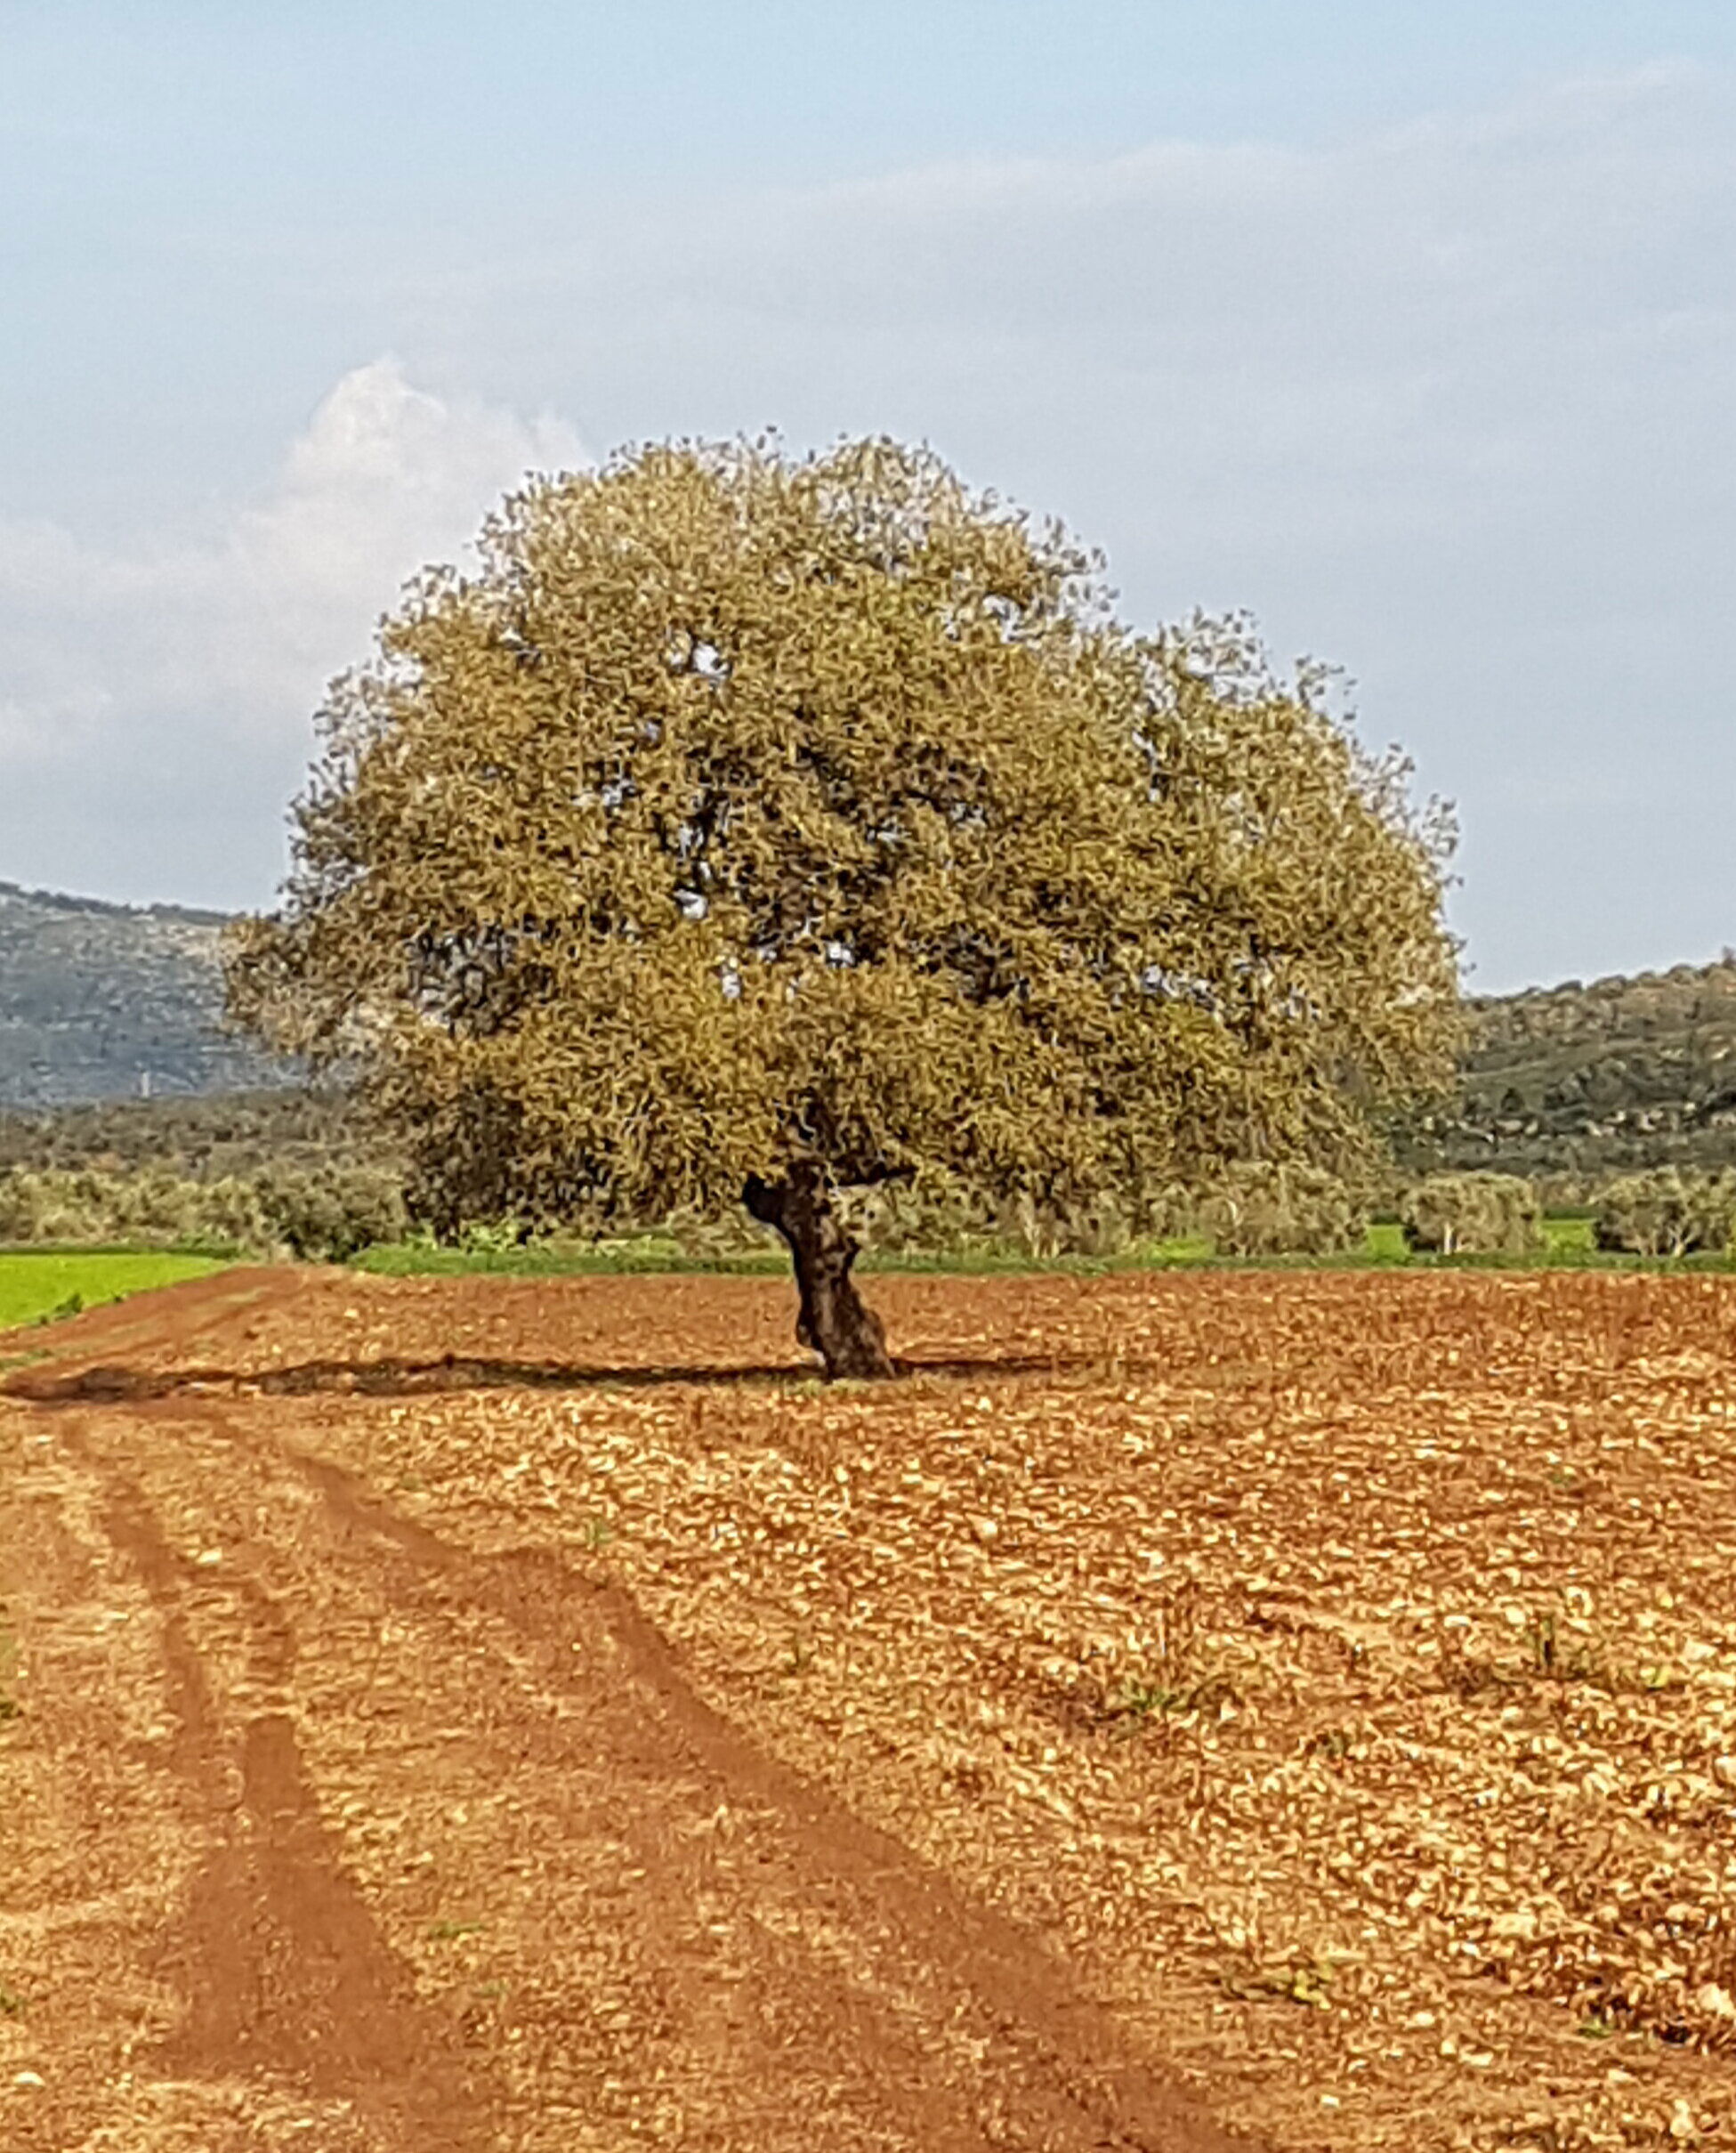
<point x="835" y="1322"/>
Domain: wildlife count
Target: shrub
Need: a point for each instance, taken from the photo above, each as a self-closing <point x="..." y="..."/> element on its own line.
<point x="718" y="1236"/>
<point x="157" y="1210"/>
<point x="1472" y="1214"/>
<point x="944" y="1216"/>
<point x="323" y="1213"/>
<point x="45" y="1207"/>
<point x="1666" y="1212"/>
<point x="326" y="1214"/>
<point x="1257" y="1208"/>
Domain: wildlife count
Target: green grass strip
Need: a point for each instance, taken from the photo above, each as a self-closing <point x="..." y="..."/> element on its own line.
<point x="1568" y="1246"/>
<point x="34" y="1286"/>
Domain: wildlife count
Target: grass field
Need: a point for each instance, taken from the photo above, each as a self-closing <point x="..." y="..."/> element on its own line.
<point x="34" y="1285"/>
<point x="1567" y="1242"/>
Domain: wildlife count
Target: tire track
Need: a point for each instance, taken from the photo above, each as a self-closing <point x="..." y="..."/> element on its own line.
<point x="1055" y="2070"/>
<point x="716" y="1954"/>
<point x="282" y="1968"/>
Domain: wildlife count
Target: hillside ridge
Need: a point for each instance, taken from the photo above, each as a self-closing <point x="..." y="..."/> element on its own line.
<point x="100" y="1000"/>
<point x="1632" y="1069"/>
<point x="66" y="900"/>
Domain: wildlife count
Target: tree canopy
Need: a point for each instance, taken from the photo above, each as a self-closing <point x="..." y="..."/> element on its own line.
<point x="744" y="825"/>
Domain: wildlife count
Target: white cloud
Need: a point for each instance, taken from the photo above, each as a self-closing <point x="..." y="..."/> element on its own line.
<point x="385" y="478"/>
<point x="234" y="635"/>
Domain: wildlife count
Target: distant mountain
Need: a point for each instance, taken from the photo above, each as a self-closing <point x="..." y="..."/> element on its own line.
<point x="110" y="1001"/>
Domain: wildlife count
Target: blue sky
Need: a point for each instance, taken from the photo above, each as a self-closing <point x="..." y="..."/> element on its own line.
<point x="1407" y="326"/>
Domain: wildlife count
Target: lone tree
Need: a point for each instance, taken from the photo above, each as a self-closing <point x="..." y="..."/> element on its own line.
<point x="744" y="828"/>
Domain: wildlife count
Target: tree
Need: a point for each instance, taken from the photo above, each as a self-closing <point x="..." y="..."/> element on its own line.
<point x="1665" y="1211"/>
<point x="1476" y="1214"/>
<point x="745" y="827"/>
<point x="1286" y="1209"/>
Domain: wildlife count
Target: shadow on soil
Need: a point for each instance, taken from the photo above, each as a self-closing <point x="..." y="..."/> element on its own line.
<point x="393" y="1378"/>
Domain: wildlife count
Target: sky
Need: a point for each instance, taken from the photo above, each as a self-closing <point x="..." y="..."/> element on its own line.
<point x="1406" y="327"/>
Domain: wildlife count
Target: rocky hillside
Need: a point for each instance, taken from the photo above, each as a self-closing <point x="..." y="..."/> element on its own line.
<point x="1579" y="1080"/>
<point x="108" y="1002"/>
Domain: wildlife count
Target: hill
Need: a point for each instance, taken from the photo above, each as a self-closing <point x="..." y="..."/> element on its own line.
<point x="1577" y="1081"/>
<point x="110" y="1001"/>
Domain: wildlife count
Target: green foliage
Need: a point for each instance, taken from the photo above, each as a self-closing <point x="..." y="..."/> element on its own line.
<point x="626" y="1255"/>
<point x="723" y="1237"/>
<point x="149" y="1210"/>
<point x="326" y="1214"/>
<point x="933" y="1214"/>
<point x="937" y="1215"/>
<point x="1472" y="1215"/>
<point x="1667" y="1212"/>
<point x="1262" y="1210"/>
<point x="1115" y="1225"/>
<point x="743" y="817"/>
<point x="329" y="1214"/>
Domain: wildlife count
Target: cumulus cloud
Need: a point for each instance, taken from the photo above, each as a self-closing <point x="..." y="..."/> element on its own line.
<point x="183" y="675"/>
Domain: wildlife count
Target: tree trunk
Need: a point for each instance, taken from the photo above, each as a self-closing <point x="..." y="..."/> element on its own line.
<point x="835" y="1322"/>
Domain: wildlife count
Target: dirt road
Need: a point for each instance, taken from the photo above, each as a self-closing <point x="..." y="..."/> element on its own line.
<point x="324" y="1829"/>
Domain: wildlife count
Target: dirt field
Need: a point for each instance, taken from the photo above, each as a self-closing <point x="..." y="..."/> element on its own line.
<point x="450" y="1716"/>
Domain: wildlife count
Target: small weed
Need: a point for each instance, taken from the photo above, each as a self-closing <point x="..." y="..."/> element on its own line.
<point x="595" y="1534"/>
<point x="1177" y="1675"/>
<point x="1587" y="1658"/>
<point x="490" y="1992"/>
<point x="1594" y="2029"/>
<point x="1559" y="1656"/>
<point x="1555" y="1651"/>
<point x="1333" y="1742"/>
<point x="11" y="2002"/>
<point x="448" y="1933"/>
<point x="1146" y="1697"/>
<point x="1301" y="1977"/>
<point x="1139" y="1700"/>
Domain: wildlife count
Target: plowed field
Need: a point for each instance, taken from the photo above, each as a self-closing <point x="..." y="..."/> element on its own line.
<point x="1203" y="1712"/>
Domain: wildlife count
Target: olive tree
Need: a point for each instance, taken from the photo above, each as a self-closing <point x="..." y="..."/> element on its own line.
<point x="743" y="827"/>
<point x="1480" y="1214"/>
<point x="1666" y="1212"/>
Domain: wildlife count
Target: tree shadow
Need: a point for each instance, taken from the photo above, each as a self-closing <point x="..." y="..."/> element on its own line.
<point x="399" y="1378"/>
